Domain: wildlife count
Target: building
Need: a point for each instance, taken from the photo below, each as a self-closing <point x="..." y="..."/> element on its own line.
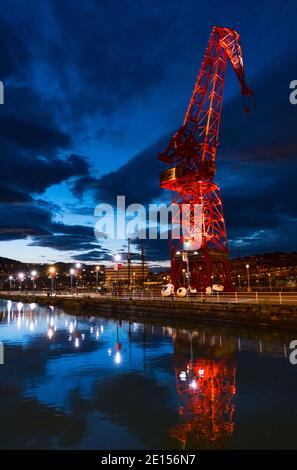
<point x="268" y="270"/>
<point x="119" y="274"/>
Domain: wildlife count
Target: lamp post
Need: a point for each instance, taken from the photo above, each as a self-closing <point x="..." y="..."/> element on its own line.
<point x="52" y="272"/>
<point x="33" y="277"/>
<point x="117" y="259"/>
<point x="269" y="278"/>
<point x="239" y="283"/>
<point x="187" y="245"/>
<point x="184" y="276"/>
<point x="71" y="272"/>
<point x="10" y="282"/>
<point x="78" y="266"/>
<point x="248" y="277"/>
<point x="21" y="278"/>
<point x="97" y="276"/>
<point x="134" y="274"/>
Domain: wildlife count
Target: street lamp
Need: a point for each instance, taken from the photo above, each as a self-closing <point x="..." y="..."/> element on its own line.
<point x="97" y="276"/>
<point x="21" y="278"/>
<point x="134" y="274"/>
<point x="117" y="259"/>
<point x="71" y="272"/>
<point x="239" y="284"/>
<point x="187" y="244"/>
<point x="269" y="277"/>
<point x="248" y="277"/>
<point x="52" y="272"/>
<point x="78" y="266"/>
<point x="33" y="277"/>
<point x="10" y="282"/>
<point x="184" y="276"/>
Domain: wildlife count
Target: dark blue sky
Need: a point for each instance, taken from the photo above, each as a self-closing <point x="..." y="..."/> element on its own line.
<point x="93" y="92"/>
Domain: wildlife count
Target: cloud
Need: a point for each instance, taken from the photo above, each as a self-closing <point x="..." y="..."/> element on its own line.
<point x="137" y="180"/>
<point x="14" y="53"/>
<point x="11" y="195"/>
<point x="31" y="135"/>
<point x="94" y="255"/>
<point x="20" y="220"/>
<point x="267" y="133"/>
<point x="122" y="53"/>
<point x="31" y="142"/>
<point x="35" y="219"/>
<point x="67" y="238"/>
<point x="79" y="80"/>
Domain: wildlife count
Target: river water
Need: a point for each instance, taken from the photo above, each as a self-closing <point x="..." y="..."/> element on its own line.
<point x="94" y="383"/>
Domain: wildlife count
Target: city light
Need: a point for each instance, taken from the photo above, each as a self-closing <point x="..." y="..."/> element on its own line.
<point x="118" y="358"/>
<point x="193" y="385"/>
<point x="248" y="277"/>
<point x="50" y="333"/>
<point x="78" y="265"/>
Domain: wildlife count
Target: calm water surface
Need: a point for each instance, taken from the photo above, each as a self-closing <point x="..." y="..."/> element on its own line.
<point x="93" y="383"/>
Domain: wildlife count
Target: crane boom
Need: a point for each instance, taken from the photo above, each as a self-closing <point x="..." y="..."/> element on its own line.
<point x="194" y="145"/>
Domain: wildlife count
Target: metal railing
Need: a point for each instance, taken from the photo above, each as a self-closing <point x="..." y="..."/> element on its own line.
<point x="217" y="297"/>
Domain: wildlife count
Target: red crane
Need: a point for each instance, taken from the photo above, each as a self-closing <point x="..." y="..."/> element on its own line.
<point x="191" y="154"/>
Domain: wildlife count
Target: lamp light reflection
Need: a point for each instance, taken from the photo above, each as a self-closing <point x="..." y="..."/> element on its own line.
<point x="118" y="357"/>
<point x="193" y="384"/>
<point x="50" y="333"/>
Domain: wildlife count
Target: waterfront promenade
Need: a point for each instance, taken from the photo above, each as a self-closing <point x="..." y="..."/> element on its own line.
<point x="247" y="309"/>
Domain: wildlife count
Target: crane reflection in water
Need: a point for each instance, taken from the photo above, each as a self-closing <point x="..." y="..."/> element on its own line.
<point x="182" y="380"/>
<point x="206" y="385"/>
